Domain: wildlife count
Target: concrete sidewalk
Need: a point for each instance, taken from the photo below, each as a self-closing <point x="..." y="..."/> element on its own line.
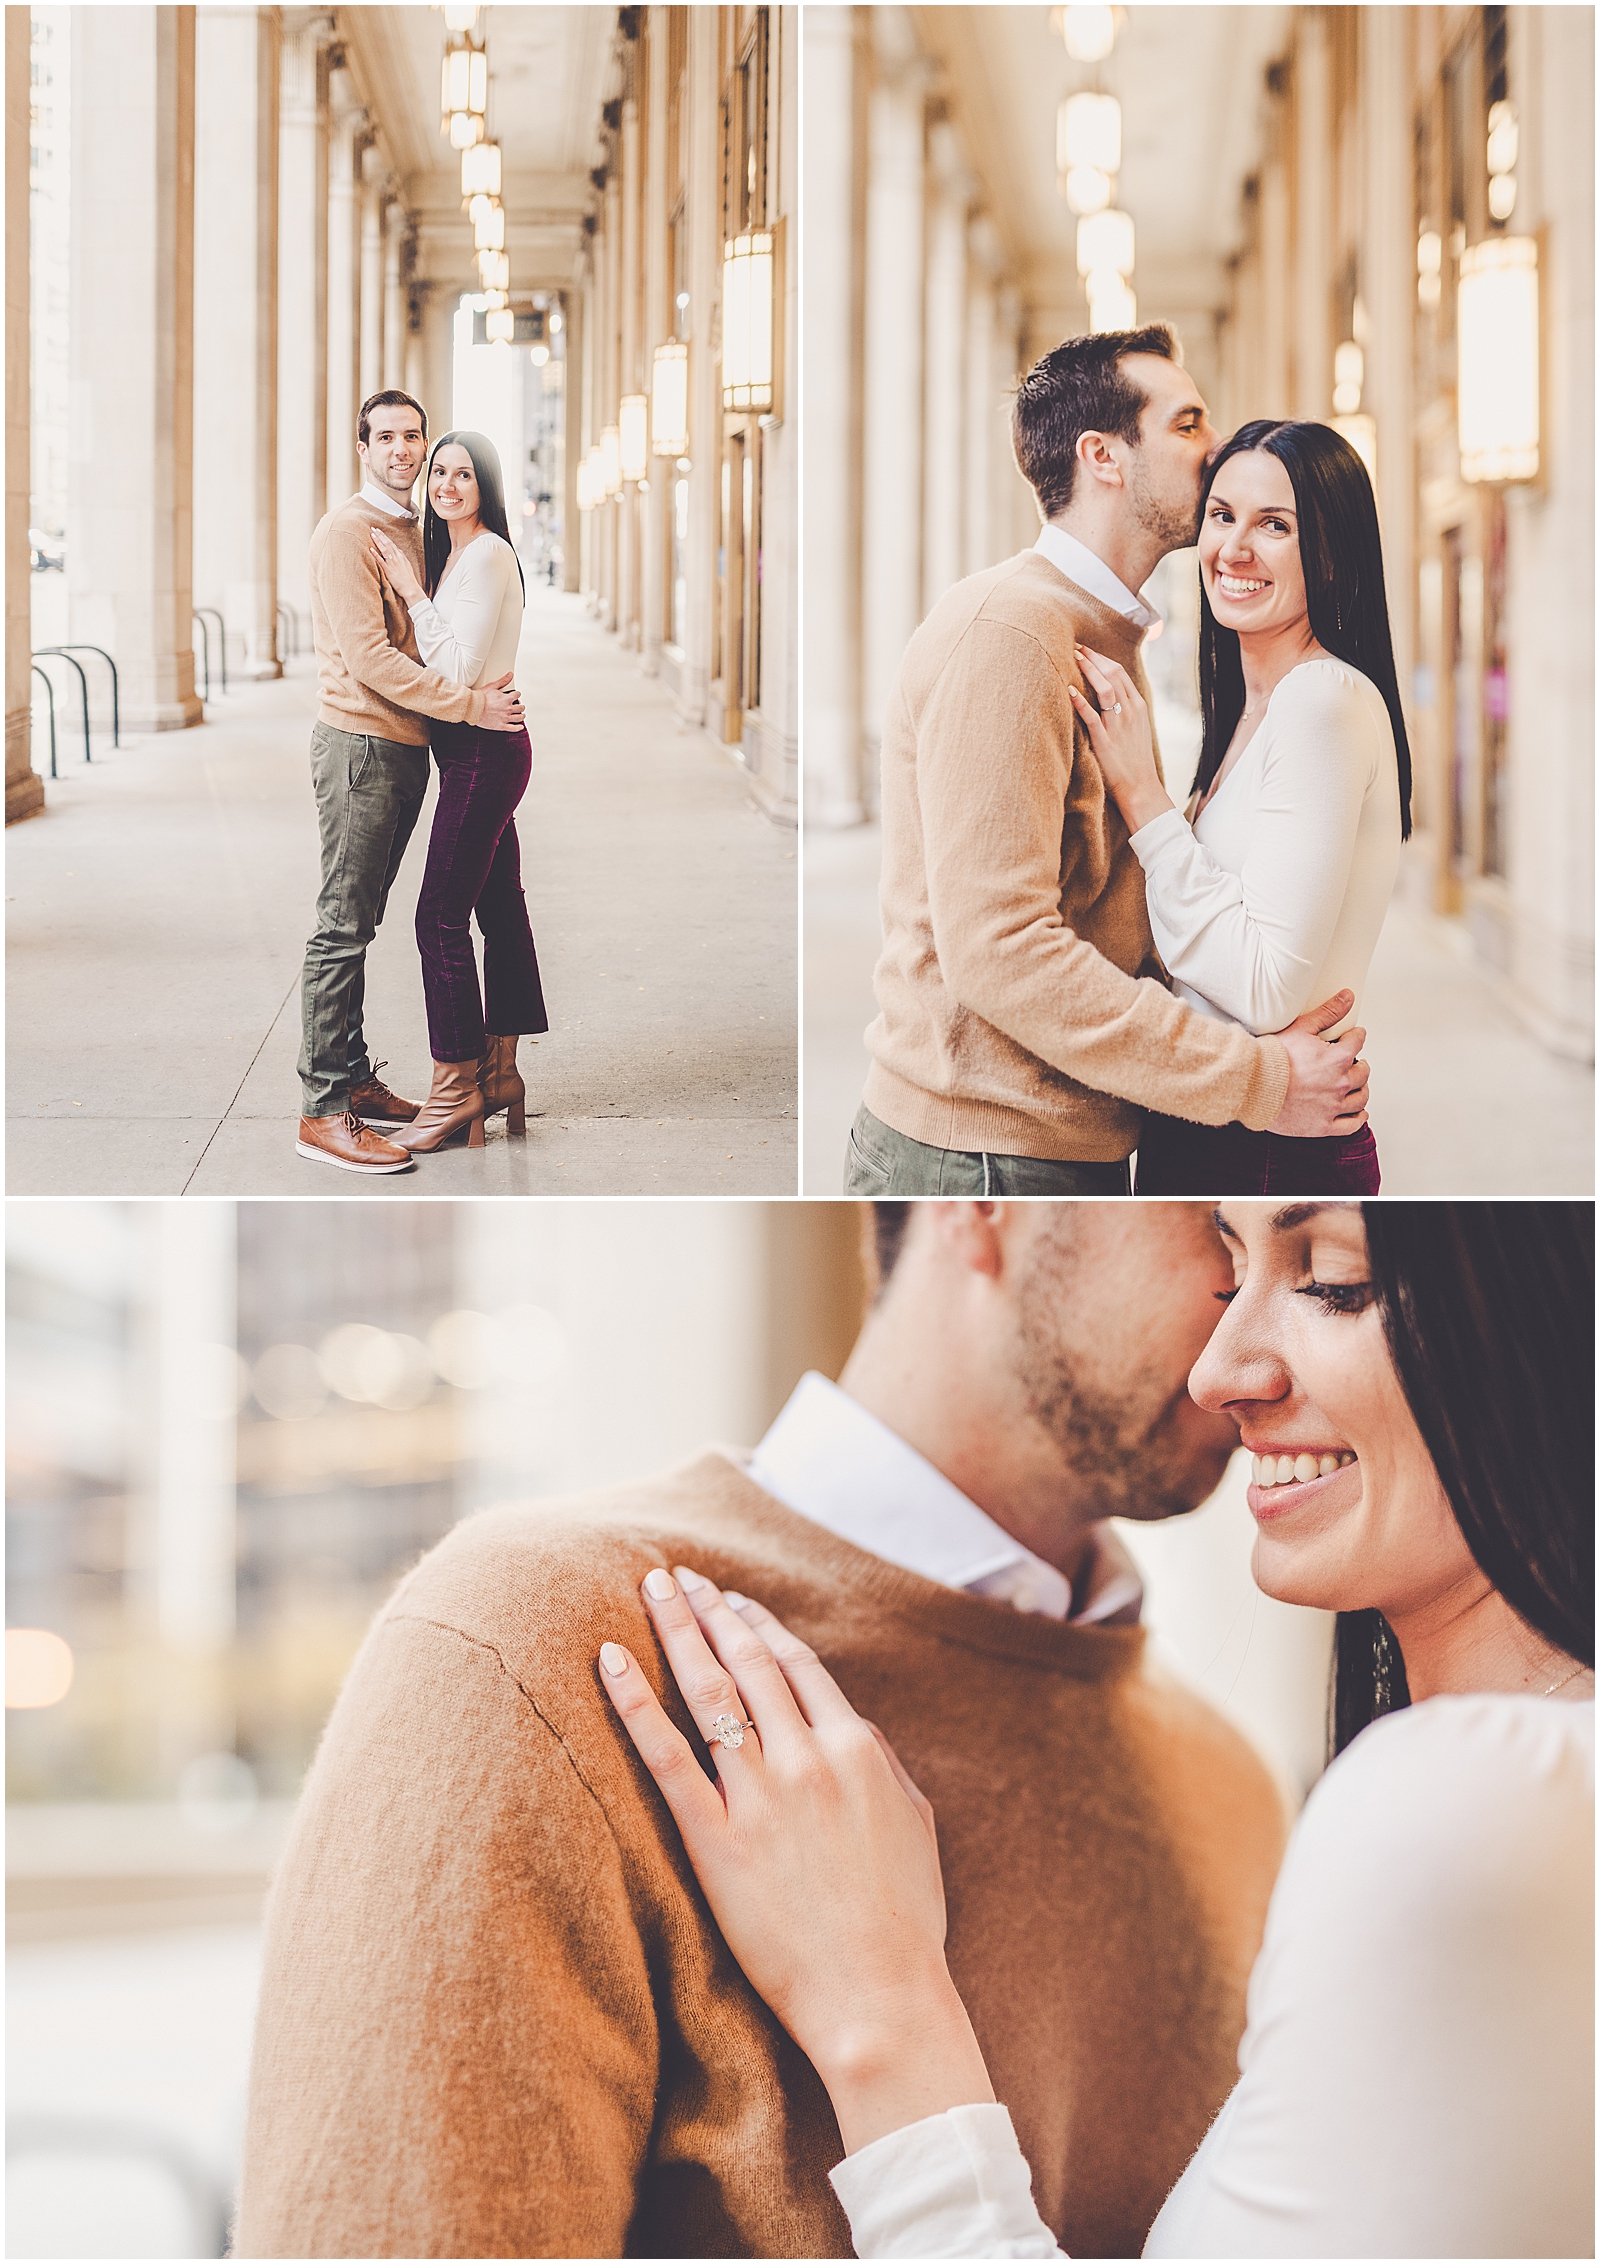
<point x="1464" y="1101"/>
<point x="158" y="913"/>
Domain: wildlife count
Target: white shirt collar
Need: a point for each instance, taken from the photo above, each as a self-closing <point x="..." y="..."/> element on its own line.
<point x="829" y="1460"/>
<point x="1078" y="562"/>
<point x="370" y="493"/>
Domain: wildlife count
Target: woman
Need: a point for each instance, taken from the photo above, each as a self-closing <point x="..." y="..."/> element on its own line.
<point x="1269" y="897"/>
<point x="1417" y="2069"/>
<point x="469" y="623"/>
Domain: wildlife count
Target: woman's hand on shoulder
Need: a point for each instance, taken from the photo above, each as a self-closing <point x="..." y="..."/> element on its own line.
<point x="1120" y="739"/>
<point x="815" y="1850"/>
<point x="396" y="567"/>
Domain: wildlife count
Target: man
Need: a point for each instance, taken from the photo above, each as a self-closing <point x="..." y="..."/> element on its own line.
<point x="369" y="771"/>
<point x="496" y="2018"/>
<point x="1024" y="1020"/>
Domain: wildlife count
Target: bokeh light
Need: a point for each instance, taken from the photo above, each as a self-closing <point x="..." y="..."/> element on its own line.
<point x="38" y="1667"/>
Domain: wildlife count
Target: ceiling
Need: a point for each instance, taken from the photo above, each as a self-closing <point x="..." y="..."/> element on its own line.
<point x="1190" y="81"/>
<point x="548" y="77"/>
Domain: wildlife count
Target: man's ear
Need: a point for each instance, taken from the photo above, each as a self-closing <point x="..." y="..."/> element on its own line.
<point x="1094" y="454"/>
<point x="973" y="1233"/>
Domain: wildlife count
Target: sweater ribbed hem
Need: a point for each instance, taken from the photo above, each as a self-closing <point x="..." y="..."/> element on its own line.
<point x="365" y="723"/>
<point x="1091" y="1130"/>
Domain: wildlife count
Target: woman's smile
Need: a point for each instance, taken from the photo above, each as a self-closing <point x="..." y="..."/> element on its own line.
<point x="1237" y="586"/>
<point x="1297" y="1477"/>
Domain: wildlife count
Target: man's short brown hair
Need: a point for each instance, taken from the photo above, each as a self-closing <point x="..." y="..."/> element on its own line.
<point x="389" y="399"/>
<point x="883" y="1234"/>
<point x="1080" y="386"/>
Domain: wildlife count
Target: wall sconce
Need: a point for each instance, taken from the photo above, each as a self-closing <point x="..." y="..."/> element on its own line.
<point x="669" y="404"/>
<point x="1349" y="373"/>
<point x="488" y="225"/>
<point x="494" y="271"/>
<point x="1087" y="189"/>
<point x="493" y="299"/>
<point x="500" y="326"/>
<point x="480" y="170"/>
<point x="589" y="480"/>
<point x="1089" y="33"/>
<point x="610" y="461"/>
<point x="1430" y="259"/>
<point x="539" y="354"/>
<point x="459" y="19"/>
<point x="1502" y="155"/>
<point x="752" y="299"/>
<point x="1089" y="132"/>
<point x="633" y="436"/>
<point x="1497" y="375"/>
<point x="464" y="92"/>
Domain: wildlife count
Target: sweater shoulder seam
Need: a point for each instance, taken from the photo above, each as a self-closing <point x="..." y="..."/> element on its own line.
<point x="1011" y="628"/>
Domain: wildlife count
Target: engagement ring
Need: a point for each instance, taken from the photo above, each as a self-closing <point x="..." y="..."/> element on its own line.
<point x="729" y="1731"/>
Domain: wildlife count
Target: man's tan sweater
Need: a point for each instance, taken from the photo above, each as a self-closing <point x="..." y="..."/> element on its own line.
<point x="497" y="2019"/>
<point x="370" y="677"/>
<point x="1023" y="1009"/>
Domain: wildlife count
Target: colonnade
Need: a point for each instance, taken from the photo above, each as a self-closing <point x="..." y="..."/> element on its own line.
<point x="691" y="564"/>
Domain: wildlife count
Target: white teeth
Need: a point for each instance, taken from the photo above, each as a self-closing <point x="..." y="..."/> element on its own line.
<point x="1296" y="1470"/>
<point x="1235" y="588"/>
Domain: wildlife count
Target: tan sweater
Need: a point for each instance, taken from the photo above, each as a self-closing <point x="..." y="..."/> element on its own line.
<point x="497" y="2020"/>
<point x="370" y="677"/>
<point x="1023" y="1008"/>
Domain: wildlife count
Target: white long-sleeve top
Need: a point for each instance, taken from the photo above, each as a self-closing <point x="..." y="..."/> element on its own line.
<point x="1273" y="900"/>
<point x="1417" y="2071"/>
<point x="470" y="628"/>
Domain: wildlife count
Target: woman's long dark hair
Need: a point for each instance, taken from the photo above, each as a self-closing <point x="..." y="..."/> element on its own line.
<point x="1342" y="560"/>
<point x="491" y="506"/>
<point x="1488" y="1309"/>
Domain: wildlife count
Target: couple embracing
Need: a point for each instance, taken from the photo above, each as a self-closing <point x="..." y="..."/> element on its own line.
<point x="416" y="625"/>
<point x="615" y="1914"/>
<point x="1041" y="891"/>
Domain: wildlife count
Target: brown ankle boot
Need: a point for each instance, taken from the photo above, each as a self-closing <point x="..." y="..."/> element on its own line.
<point x="454" y="1102"/>
<point x="502" y="1084"/>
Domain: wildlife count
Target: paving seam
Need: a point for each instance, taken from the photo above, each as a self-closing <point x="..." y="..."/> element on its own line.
<point x="239" y="1088"/>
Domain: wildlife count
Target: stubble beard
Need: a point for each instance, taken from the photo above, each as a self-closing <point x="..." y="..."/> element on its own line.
<point x="1175" y="526"/>
<point x="1125" y="1463"/>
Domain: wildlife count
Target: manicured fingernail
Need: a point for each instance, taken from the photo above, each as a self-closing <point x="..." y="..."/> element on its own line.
<point x="613" y="1658"/>
<point x="733" y="1597"/>
<point x="688" y="1579"/>
<point x="660" y="1585"/>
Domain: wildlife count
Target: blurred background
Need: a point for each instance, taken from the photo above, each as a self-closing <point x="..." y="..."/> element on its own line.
<point x="231" y="1428"/>
<point x="1381" y="218"/>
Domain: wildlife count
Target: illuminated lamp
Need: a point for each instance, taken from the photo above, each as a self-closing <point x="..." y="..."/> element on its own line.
<point x="669" y="402"/>
<point x="1497" y="371"/>
<point x="633" y="436"/>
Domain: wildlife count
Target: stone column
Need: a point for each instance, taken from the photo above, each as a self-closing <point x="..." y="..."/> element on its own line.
<point x="1273" y="269"/>
<point x="394" y="298"/>
<point x="657" y="328"/>
<point x="302" y="302"/>
<point x="704" y="219"/>
<point x="610" y="361"/>
<point x="1313" y="218"/>
<point x="236" y="329"/>
<point x="346" y="141"/>
<point x="24" y="788"/>
<point x="131" y="452"/>
<point x="630" y="504"/>
<point x="892" y="450"/>
<point x="1388" y="287"/>
<point x="943" y="357"/>
<point x="435" y="356"/>
<point x="374" y="199"/>
<point x="979" y="546"/>
<point x="572" y="519"/>
<point x="829" y="344"/>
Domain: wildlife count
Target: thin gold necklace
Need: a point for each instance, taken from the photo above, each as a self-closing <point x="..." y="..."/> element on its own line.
<point x="1562" y="1684"/>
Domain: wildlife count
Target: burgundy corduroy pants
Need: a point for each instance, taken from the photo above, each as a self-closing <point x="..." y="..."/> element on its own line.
<point x="475" y="867"/>
<point x="1228" y="1159"/>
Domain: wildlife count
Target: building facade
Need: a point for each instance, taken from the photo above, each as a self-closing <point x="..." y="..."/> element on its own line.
<point x="1312" y="189"/>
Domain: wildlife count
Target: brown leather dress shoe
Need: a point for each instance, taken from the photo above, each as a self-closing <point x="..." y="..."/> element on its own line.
<point x="375" y="1104"/>
<point x="347" y="1142"/>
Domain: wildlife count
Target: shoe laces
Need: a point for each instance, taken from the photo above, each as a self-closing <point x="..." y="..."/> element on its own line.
<point x="356" y="1128"/>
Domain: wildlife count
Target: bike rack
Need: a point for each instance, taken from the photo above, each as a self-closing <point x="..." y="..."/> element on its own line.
<point x="291" y="644"/>
<point x="50" y="692"/>
<point x="116" y="719"/>
<point x="222" y="645"/>
<point x="55" y="652"/>
<point x="205" y="656"/>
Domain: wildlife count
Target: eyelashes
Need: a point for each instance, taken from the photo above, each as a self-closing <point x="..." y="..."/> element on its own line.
<point x="1332" y="1296"/>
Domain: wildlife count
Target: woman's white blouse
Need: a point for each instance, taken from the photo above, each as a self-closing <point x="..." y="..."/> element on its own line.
<point x="1273" y="900"/>
<point x="470" y="628"/>
<point x="1417" y="2071"/>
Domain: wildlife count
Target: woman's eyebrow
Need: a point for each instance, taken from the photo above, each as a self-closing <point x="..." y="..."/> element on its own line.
<point x="1296" y="1214"/>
